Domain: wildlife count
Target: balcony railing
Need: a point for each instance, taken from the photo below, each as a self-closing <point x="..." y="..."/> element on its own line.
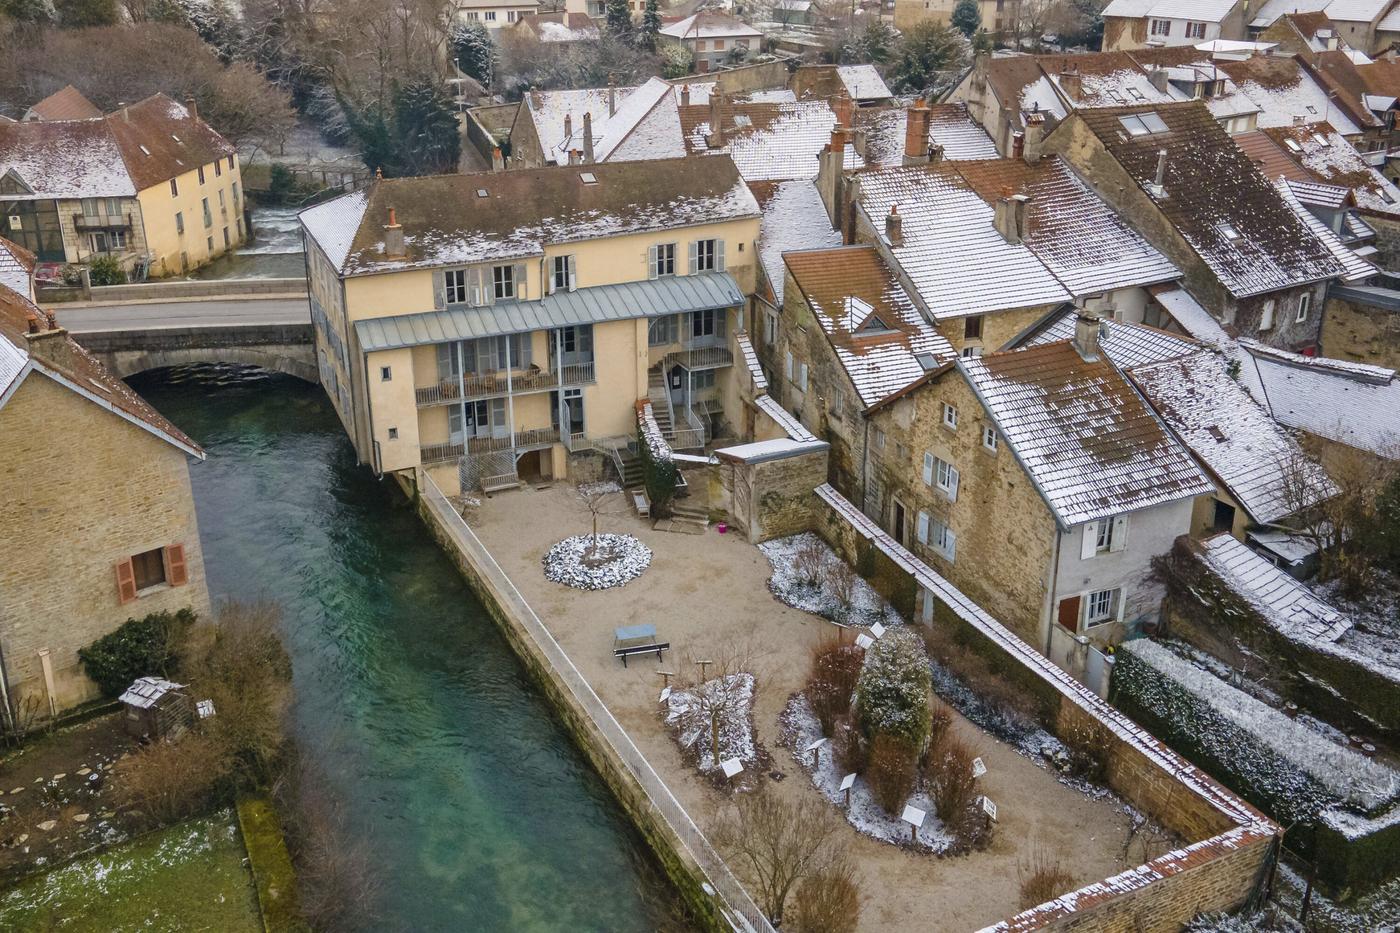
<point x="524" y="440"/>
<point x="84" y="223"/>
<point x="693" y="356"/>
<point x="487" y="385"/>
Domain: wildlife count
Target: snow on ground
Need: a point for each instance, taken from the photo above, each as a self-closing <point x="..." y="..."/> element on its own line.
<point x="688" y="717"/>
<point x="598" y="489"/>
<point x="616" y="560"/>
<point x="800" y="728"/>
<point x="867" y="606"/>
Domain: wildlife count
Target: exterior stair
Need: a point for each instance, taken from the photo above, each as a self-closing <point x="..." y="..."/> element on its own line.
<point x="686" y="520"/>
<point x="661" y="403"/>
<point x="631" y="469"/>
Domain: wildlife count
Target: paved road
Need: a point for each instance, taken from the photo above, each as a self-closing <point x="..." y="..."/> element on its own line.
<point x="184" y="314"/>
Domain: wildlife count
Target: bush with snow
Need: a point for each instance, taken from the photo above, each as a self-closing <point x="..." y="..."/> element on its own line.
<point x="596" y="562"/>
<point x="718" y="710"/>
<point x="810" y="576"/>
<point x="894" y="690"/>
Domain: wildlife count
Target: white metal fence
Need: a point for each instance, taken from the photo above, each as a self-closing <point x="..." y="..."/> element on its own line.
<point x="735" y="903"/>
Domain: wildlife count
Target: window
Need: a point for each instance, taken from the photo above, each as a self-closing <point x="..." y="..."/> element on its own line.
<point x="950" y="416"/>
<point x="209" y="242"/>
<point x="801" y="380"/>
<point x="741" y="43"/>
<point x="1304" y="305"/>
<point x="663" y="260"/>
<point x="234" y="189"/>
<point x="89" y="207"/>
<point x="1101" y="606"/>
<point x="1161" y="27"/>
<point x="707" y="256"/>
<point x="663" y="330"/>
<point x="218" y="169"/>
<point x="719" y="45"/>
<point x="563" y="278"/>
<point x="230" y="163"/>
<point x="704" y="379"/>
<point x="503" y="281"/>
<point x="1103" y="536"/>
<point x="699" y="45"/>
<point x="226" y="238"/>
<point x="174" y="188"/>
<point x="1142" y="124"/>
<point x="989" y="439"/>
<point x="1266" y="317"/>
<point x="223" y="206"/>
<point x="386" y="373"/>
<point x="970" y="353"/>
<point x="1195" y="30"/>
<point x="393" y="434"/>
<point x="770" y="328"/>
<point x="208" y="217"/>
<point x="929" y="531"/>
<point x="180" y="222"/>
<point x="456" y="286"/>
<point x="972" y="327"/>
<point x="112" y="207"/>
<point x="879" y="439"/>
<point x="706" y="323"/>
<point x="201" y="174"/>
<point x="941" y="474"/>
<point x="490" y="16"/>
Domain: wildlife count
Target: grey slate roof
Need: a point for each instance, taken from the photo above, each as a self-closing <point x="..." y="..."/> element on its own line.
<point x="627" y="301"/>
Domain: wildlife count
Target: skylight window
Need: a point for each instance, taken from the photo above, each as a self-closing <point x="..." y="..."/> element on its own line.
<point x="1312" y="110"/>
<point x="742" y="119"/>
<point x="1142" y="124"/>
<point x="1216" y="433"/>
<point x="588" y="178"/>
<point x="1136" y="94"/>
<point x="176" y="138"/>
<point x="1228" y="231"/>
<point x="145" y="150"/>
<point x="1320" y="140"/>
<point x="482" y="193"/>
<point x="1116" y="97"/>
<point x="1293" y="145"/>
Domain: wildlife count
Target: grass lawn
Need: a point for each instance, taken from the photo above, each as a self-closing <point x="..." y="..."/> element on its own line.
<point x="188" y="877"/>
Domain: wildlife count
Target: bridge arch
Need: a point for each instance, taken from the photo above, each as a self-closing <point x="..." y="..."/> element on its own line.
<point x="283" y="348"/>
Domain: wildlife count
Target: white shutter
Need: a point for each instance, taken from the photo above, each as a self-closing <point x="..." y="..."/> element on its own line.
<point x="572" y="272"/>
<point x="802" y="376"/>
<point x="518" y="280"/>
<point x="694" y="261"/>
<point x="439" y="290"/>
<point x="787" y="366"/>
<point x="1090" y="544"/>
<point x="651" y="262"/>
<point x="719" y="255"/>
<point x="953" y="483"/>
<point x="1120" y="533"/>
<point x="950" y="547"/>
<point x="928" y="469"/>
<point x="921" y="528"/>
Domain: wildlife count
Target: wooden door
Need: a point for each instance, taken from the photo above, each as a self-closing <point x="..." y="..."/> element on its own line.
<point x="1068" y="616"/>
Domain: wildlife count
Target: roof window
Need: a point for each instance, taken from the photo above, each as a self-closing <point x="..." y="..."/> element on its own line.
<point x="177" y="139"/>
<point x="588" y="178"/>
<point x="1142" y="124"/>
<point x="145" y="150"/>
<point x="1215" y="432"/>
<point x="482" y="193"/>
<point x="1320" y="140"/>
<point x="1136" y="94"/>
<point x="742" y="119"/>
<point x="1228" y="231"/>
<point x="1293" y="145"/>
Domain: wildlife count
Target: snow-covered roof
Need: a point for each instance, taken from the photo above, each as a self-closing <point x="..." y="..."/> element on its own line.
<point x="1272" y="10"/>
<point x="332" y="224"/>
<point x="16" y="268"/>
<point x="1246" y="450"/>
<point x="1354" y="267"/>
<point x="1287" y="605"/>
<point x="756" y="374"/>
<point x="146" y="692"/>
<point x="709" y="24"/>
<point x="1127" y="344"/>
<point x="863" y="82"/>
<point x="1284" y="90"/>
<point x="1239" y="225"/>
<point x="951" y="252"/>
<point x="794" y="217"/>
<point x="463" y="219"/>
<point x="560" y="27"/>
<point x="795" y="429"/>
<point x="877" y="333"/>
<point x="1356" y="11"/>
<point x="1351" y="403"/>
<point x="1080" y="239"/>
<point x="777" y="448"/>
<point x="65" y="104"/>
<point x="768" y="142"/>
<point x="1390" y="22"/>
<point x="547" y="109"/>
<point x="1086" y="438"/>
<point x="1208" y="11"/>
<point x="949" y="126"/>
<point x="646" y="125"/>
<point x="1331" y="159"/>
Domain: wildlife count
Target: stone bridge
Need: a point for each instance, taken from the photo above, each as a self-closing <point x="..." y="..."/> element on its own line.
<point x="285" y="348"/>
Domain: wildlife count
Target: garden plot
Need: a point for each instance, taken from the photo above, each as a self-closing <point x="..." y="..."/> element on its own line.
<point x="808" y="575"/>
<point x="596" y="562"/>
<point x="723" y="704"/>
<point x="800" y="728"/>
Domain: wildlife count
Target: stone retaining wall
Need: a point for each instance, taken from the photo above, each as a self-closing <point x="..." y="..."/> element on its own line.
<point x="175" y="291"/>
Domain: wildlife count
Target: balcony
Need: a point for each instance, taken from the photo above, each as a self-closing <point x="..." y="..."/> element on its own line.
<point x="487" y="385"/>
<point x="703" y="353"/>
<point x="532" y="439"/>
<point x="101" y="223"/>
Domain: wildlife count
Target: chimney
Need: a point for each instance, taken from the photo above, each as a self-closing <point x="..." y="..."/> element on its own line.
<point x="1157" y="77"/>
<point x="716" y="137"/>
<point x="612" y="98"/>
<point x="917" y="120"/>
<point x="1034" y="146"/>
<point x="841" y="106"/>
<point x="935" y="154"/>
<point x="1086" y="336"/>
<point x="48" y="342"/>
<point x="1072" y="82"/>
<point x="498" y="160"/>
<point x="588" y="137"/>
<point x="1299" y="119"/>
<point x="568" y="126"/>
<point x="575" y="157"/>
<point x="685" y="95"/>
<point x="894" y="226"/>
<point x="192" y="107"/>
<point x="1010" y="215"/>
<point x="1018" y="145"/>
<point x="1158" y="187"/>
<point x="393" y="237"/>
<point x="831" y="165"/>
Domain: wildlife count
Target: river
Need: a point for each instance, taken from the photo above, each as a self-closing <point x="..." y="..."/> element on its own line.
<point x="479" y="812"/>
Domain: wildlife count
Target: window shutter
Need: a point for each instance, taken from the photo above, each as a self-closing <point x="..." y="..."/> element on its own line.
<point x="928" y="469"/>
<point x="694" y="259"/>
<point x="651" y="262"/>
<point x="126" y="581"/>
<point x="573" y="274"/>
<point x="1120" y="533"/>
<point x="444" y="361"/>
<point x="951" y="545"/>
<point x="953" y="478"/>
<point x="474" y="287"/>
<point x="719" y="255"/>
<point x="1089" y="545"/>
<point x="439" y="290"/>
<point x="922" y="528"/>
<point x="527" y="350"/>
<point x="176" y="573"/>
<point x="518" y="279"/>
<point x="787" y="365"/>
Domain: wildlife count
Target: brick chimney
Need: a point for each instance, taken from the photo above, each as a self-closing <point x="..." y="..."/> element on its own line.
<point x="842" y="107"/>
<point x="192" y="107"/>
<point x="587" y="137"/>
<point x="48" y="342"/>
<point x="393" y="237"/>
<point x="1033" y="145"/>
<point x="1009" y="215"/>
<point x="568" y="125"/>
<point x="612" y="97"/>
<point x="894" y="227"/>
<point x="685" y="95"/>
<point x="716" y="137"/>
<point x="1086" y="336"/>
<point x="917" y="120"/>
<point x="1072" y="82"/>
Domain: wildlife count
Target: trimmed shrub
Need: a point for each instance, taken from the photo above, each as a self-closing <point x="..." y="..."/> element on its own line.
<point x="892" y="772"/>
<point x="138" y="648"/>
<point x="828" y="901"/>
<point x="106" y="270"/>
<point x="950" y="781"/>
<point x="894" y="690"/>
<point x="831" y="684"/>
<point x="848" y="746"/>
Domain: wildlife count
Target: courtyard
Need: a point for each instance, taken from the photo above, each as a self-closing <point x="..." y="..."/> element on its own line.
<point x="706" y="594"/>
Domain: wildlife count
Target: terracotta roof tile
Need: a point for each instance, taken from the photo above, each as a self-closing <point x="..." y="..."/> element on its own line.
<point x="67" y="104"/>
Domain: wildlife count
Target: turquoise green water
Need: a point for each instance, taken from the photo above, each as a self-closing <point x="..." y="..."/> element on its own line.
<point x="478" y="811"/>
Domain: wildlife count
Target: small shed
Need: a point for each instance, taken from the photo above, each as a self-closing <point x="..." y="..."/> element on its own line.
<point x="156" y="708"/>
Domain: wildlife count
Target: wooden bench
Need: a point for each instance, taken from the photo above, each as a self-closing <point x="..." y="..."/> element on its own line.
<point x="641" y="502"/>
<point x="626" y="652"/>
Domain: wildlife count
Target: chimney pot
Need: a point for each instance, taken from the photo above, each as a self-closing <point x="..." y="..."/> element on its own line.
<point x="394" y="246"/>
<point x="1086" y="336"/>
<point x="587" y="137"/>
<point x="917" y="120"/>
<point x="32" y="320"/>
<point x="841" y="106"/>
<point x="568" y="125"/>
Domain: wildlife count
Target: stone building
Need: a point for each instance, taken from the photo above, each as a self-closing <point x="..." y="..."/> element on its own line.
<point x="103" y="526"/>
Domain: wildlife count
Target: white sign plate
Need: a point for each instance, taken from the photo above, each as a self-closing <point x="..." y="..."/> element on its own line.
<point x="731" y="767"/>
<point x="978" y="768"/>
<point x="817" y="744"/>
<point x="848" y="781"/>
<point x="864" y="641"/>
<point x="877" y="630"/>
<point x="665" y="694"/>
<point x="989" y="808"/>
<point x="913" y="815"/>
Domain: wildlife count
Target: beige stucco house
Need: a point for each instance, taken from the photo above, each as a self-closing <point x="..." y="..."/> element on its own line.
<point x="102" y="521"/>
<point x="498" y="326"/>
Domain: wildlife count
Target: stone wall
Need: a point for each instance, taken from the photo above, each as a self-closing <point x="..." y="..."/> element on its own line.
<point x="1361" y="332"/>
<point x="72" y="470"/>
<point x="178" y="291"/>
<point x="773" y="498"/>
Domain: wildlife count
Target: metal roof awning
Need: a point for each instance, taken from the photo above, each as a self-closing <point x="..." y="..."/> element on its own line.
<point x="628" y="301"/>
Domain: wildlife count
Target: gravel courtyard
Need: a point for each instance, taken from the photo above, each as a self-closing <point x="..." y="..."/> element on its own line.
<point x="703" y="592"/>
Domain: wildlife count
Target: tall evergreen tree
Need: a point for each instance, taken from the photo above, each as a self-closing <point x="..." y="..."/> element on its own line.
<point x="651" y="26"/>
<point x="966" y="18"/>
<point x="426" y="134"/>
<point x="475" y="52"/>
<point x="619" y="19"/>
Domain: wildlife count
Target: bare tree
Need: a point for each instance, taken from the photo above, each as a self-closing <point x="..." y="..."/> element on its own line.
<point x="594" y="497"/>
<point x="719" y="687"/>
<point x="775" y="844"/>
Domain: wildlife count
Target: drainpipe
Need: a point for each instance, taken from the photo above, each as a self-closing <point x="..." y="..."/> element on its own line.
<point x="375" y="459"/>
<point x="510" y="402"/>
<point x="1054" y="584"/>
<point x="461" y="396"/>
<point x="865" y="466"/>
<point x="5" y="707"/>
<point x="559" y="374"/>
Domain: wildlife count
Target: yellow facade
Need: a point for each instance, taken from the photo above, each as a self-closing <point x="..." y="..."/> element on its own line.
<point x="177" y="236"/>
